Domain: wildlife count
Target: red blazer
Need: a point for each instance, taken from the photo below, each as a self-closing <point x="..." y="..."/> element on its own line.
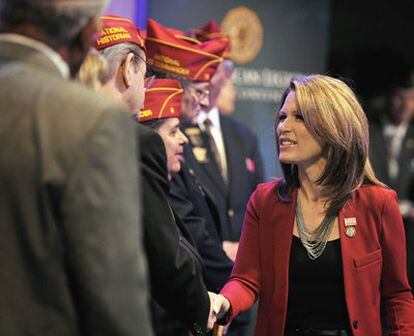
<point x="373" y="261"/>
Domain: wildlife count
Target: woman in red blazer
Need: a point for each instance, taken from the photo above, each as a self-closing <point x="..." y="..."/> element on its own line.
<point x="323" y="247"/>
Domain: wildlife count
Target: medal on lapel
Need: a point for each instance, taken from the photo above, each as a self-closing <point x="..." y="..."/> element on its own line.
<point x="200" y="153"/>
<point x="194" y="135"/>
<point x="350" y="226"/>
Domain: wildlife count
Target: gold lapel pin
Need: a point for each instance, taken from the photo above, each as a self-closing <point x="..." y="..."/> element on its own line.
<point x="200" y="154"/>
<point x="350" y="231"/>
<point x="350" y="225"/>
<point x="351" y="221"/>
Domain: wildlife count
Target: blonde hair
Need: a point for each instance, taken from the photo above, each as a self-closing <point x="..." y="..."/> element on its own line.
<point x="93" y="70"/>
<point x="335" y="118"/>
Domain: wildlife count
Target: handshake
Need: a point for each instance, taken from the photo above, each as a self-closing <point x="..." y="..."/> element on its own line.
<point x="219" y="307"/>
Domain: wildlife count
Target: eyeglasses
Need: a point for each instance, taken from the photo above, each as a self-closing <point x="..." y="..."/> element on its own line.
<point x="149" y="75"/>
<point x="199" y="93"/>
<point x="149" y="70"/>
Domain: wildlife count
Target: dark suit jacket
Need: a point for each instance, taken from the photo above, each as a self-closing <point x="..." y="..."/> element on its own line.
<point x="196" y="207"/>
<point x="373" y="262"/>
<point x="72" y="260"/>
<point x="211" y="211"/>
<point x="245" y="171"/>
<point x="404" y="184"/>
<point x="175" y="266"/>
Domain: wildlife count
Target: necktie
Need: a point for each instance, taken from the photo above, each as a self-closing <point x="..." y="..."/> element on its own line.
<point x="213" y="147"/>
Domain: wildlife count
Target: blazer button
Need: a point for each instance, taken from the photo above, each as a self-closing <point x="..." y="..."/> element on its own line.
<point x="230" y="212"/>
<point x="355" y="324"/>
<point x="197" y="329"/>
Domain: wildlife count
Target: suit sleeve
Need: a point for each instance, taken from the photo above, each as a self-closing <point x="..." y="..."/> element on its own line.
<point x="176" y="275"/>
<point x="395" y="290"/>
<point x="244" y="285"/>
<point x="218" y="265"/>
<point x="103" y="233"/>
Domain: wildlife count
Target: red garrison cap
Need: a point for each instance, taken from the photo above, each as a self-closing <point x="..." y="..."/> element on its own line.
<point x="208" y="31"/>
<point x="177" y="54"/>
<point x="116" y="30"/>
<point x="175" y="32"/>
<point x="211" y="30"/>
<point x="162" y="100"/>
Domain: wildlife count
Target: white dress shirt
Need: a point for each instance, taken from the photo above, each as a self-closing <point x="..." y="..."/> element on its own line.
<point x="215" y="130"/>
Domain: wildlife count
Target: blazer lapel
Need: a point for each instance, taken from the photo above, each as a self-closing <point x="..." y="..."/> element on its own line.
<point x="349" y="244"/>
<point x="278" y="240"/>
<point x="207" y="171"/>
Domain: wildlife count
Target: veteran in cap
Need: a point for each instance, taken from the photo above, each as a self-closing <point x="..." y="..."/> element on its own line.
<point x="193" y="202"/>
<point x="161" y="112"/>
<point x="175" y="272"/>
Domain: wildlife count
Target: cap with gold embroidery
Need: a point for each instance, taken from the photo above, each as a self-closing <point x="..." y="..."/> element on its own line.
<point x="162" y="100"/>
<point x="211" y="30"/>
<point x="116" y="30"/>
<point x="181" y="55"/>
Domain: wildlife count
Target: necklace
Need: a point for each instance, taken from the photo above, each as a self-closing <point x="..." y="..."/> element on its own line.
<point x="313" y="241"/>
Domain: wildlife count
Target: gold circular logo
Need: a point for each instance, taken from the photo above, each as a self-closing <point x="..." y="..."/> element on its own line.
<point x="245" y="30"/>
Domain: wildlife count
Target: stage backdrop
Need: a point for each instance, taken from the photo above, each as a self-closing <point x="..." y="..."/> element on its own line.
<point x="272" y="40"/>
<point x="136" y="10"/>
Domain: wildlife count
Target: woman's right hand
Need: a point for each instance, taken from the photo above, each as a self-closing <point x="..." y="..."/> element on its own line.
<point x="221" y="307"/>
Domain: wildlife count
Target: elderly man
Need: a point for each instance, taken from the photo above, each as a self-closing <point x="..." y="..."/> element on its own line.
<point x="71" y="256"/>
<point x="175" y="271"/>
<point x="194" y="63"/>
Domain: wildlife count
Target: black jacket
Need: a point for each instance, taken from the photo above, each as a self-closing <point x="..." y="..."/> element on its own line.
<point x="404" y="183"/>
<point x="174" y="265"/>
<point x="198" y="210"/>
<point x="245" y="171"/>
<point x="211" y="210"/>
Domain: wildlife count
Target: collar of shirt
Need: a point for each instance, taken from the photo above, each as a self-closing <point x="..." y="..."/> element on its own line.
<point x="391" y="130"/>
<point x="56" y="59"/>
<point x="213" y="115"/>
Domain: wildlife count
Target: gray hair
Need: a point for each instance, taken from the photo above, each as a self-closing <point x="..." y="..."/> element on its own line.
<point x="60" y="20"/>
<point x="114" y="55"/>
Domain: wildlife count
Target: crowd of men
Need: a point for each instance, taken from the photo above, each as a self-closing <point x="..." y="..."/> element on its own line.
<point x="99" y="238"/>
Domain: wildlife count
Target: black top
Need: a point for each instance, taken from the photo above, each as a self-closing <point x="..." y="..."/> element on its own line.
<point x="316" y="288"/>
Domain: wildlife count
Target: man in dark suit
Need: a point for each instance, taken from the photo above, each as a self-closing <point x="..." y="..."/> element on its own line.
<point x="194" y="204"/>
<point x="72" y="261"/>
<point x="231" y="171"/>
<point x="175" y="272"/>
<point x="233" y="164"/>
<point x="392" y="155"/>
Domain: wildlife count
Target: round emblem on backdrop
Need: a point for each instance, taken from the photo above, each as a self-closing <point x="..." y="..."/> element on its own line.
<point x="245" y="30"/>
